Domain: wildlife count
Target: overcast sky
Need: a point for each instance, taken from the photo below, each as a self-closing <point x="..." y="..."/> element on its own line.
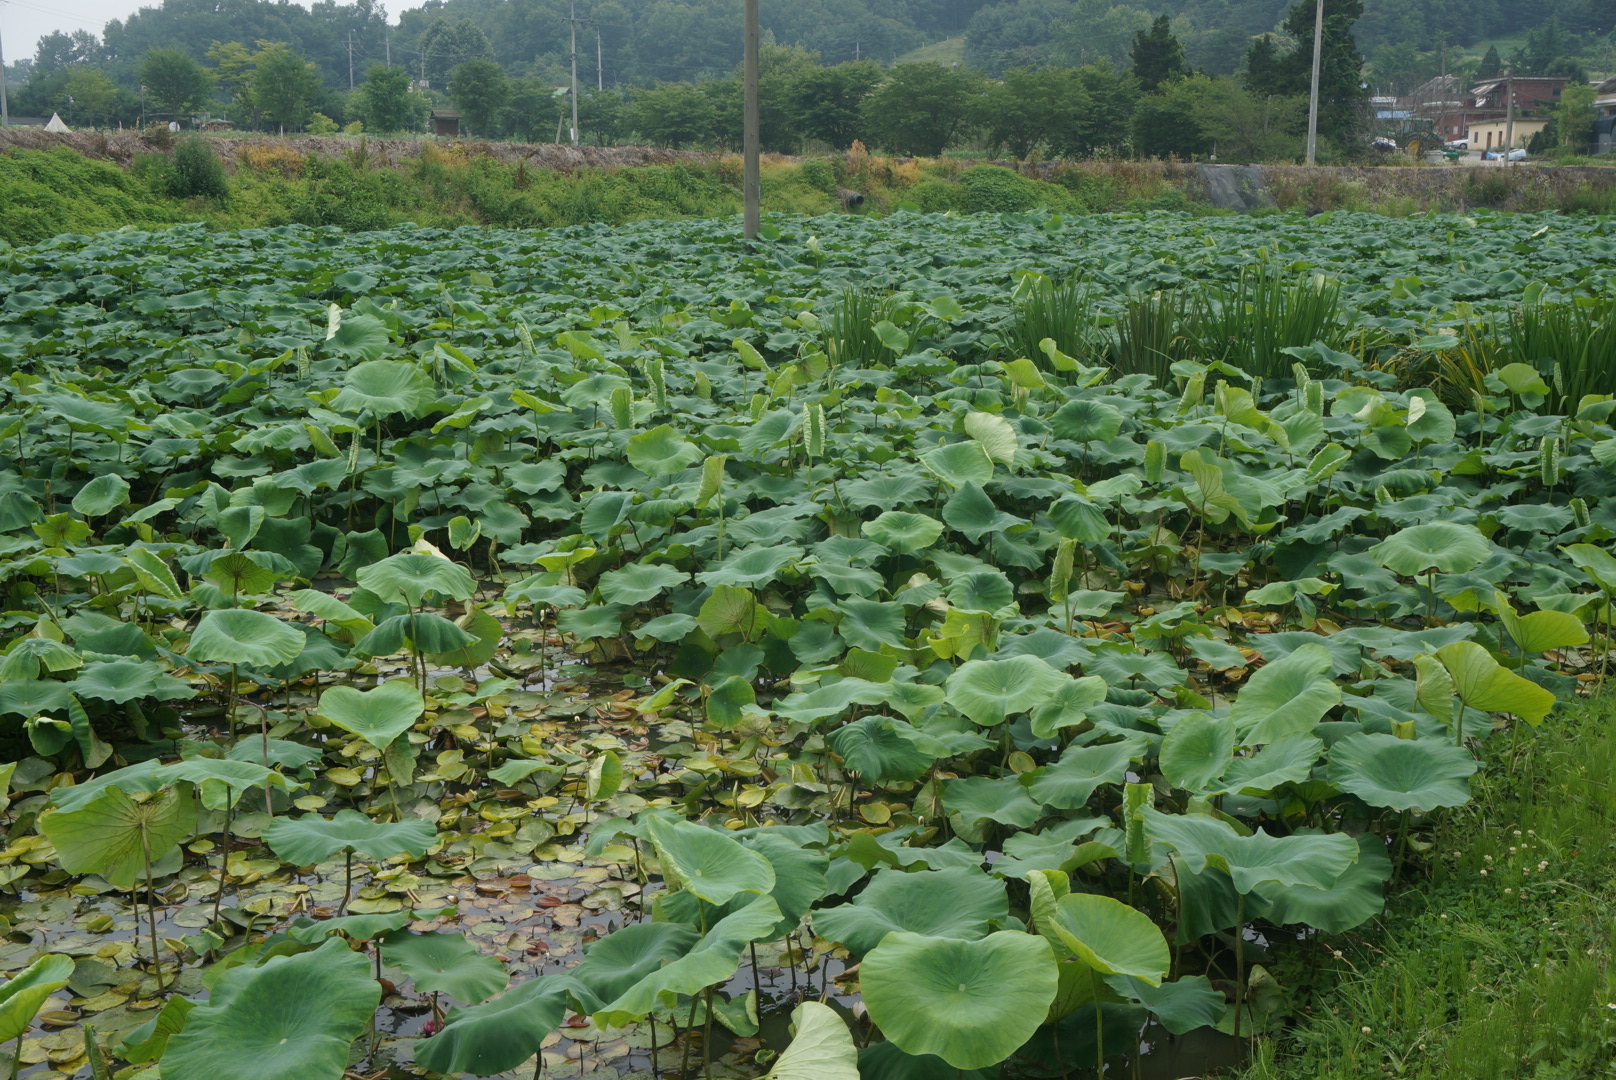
<point x="24" y="22"/>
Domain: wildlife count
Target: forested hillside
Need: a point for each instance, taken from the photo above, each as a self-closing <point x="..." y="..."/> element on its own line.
<point x="642" y="42"/>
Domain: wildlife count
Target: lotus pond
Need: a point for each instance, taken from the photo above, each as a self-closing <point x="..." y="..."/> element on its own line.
<point x="927" y="647"/>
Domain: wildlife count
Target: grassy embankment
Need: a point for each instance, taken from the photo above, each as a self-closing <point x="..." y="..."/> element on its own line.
<point x="55" y="191"/>
<point x="1497" y="964"/>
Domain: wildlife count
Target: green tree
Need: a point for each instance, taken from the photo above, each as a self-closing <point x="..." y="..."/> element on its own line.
<point x="674" y="115"/>
<point x="283" y="85"/>
<point x="1246" y="127"/>
<point x="174" y="82"/>
<point x="1343" y="100"/>
<point x="600" y="114"/>
<point x="386" y="102"/>
<point x="1157" y="56"/>
<point x="479" y="90"/>
<point x="1034" y="107"/>
<point x="825" y="102"/>
<point x="232" y="75"/>
<point x="1491" y="64"/>
<point x="922" y="108"/>
<point x="1166" y="124"/>
<point x="446" y="45"/>
<point x="89" y="96"/>
<point x="532" y="109"/>
<point x="196" y="173"/>
<point x="1114" y="96"/>
<point x="1574" y="117"/>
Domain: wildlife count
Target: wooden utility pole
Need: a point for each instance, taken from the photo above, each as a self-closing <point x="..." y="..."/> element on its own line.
<point x="572" y="24"/>
<point x="5" y="113"/>
<point x="350" y="59"/>
<point x="1509" y="115"/>
<point x="1313" y="94"/>
<point x="600" y="69"/>
<point x="752" y="212"/>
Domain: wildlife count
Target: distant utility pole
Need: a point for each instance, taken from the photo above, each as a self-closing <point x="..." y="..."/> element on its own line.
<point x="1509" y="115"/>
<point x="350" y="59"/>
<point x="389" y="40"/>
<point x="751" y="215"/>
<point x="1313" y="95"/>
<point x="856" y="51"/>
<point x="600" y="71"/>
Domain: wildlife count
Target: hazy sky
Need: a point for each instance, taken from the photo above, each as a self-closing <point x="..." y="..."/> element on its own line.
<point x="24" y="22"/>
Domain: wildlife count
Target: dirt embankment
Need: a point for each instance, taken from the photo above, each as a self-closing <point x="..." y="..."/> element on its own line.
<point x="121" y="147"/>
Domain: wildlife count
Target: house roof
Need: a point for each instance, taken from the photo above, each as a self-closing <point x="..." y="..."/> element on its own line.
<point x="445" y="114"/>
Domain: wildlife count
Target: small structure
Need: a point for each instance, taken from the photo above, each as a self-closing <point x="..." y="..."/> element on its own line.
<point x="1605" y="117"/>
<point x="446" y="123"/>
<point x="1490" y="134"/>
<point x="57" y="126"/>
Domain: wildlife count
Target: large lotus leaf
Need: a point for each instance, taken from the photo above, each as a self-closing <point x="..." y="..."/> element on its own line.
<point x="1315" y="861"/>
<point x="1596" y="562"/>
<point x="1118" y="668"/>
<point x="362" y="336"/>
<point x="117" y="836"/>
<point x="799" y="876"/>
<point x="1354" y="898"/>
<point x="714" y="866"/>
<point x="313" y="839"/>
<point x="988" y="691"/>
<point x="426" y="632"/>
<point x="751" y="567"/>
<point x="981" y="798"/>
<point x="22" y="996"/>
<point x="102" y="495"/>
<point x="958" y="464"/>
<point x="1068" y="706"/>
<point x="983" y="590"/>
<point x="618" y="961"/>
<point x="958" y="902"/>
<point x="501" y="1034"/>
<point x="222" y="781"/>
<point x="447" y="963"/>
<point x="1439" y="545"/>
<point x="883" y="748"/>
<point x="869" y="624"/>
<point x="884" y="1061"/>
<point x="1286" y="697"/>
<point x="638" y="582"/>
<point x="816" y="704"/>
<point x="292" y="1018"/>
<point x="971" y="1003"/>
<point x="30" y="697"/>
<point x="384" y="387"/>
<point x="379" y="715"/>
<point x="1483" y="683"/>
<point x="1086" y="421"/>
<point x="821" y="1049"/>
<point x="903" y="532"/>
<point x="125" y="680"/>
<point x="1197" y="750"/>
<point x="1112" y="938"/>
<point x="661" y="452"/>
<point x="242" y="636"/>
<point x="414" y="574"/>
<point x="713" y="959"/>
<point x="1288" y="761"/>
<point x="1543" y="630"/>
<point x="139" y="778"/>
<point x="972" y="513"/>
<point x="1068" y="783"/>
<point x="356" y="927"/>
<point x="1402" y="774"/>
<point x="329" y="609"/>
<point x="1181" y="1005"/>
<point x="1060" y="651"/>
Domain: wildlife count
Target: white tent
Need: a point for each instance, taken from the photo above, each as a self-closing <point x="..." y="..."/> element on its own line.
<point x="57" y="126"/>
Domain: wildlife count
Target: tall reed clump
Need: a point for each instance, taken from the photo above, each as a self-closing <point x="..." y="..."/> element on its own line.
<point x="1571" y="343"/>
<point x="848" y="330"/>
<point x="1250" y="323"/>
<point x="1063" y="313"/>
<point x="1152" y="333"/>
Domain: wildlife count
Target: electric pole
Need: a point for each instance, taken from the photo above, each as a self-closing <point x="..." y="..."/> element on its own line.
<point x="350" y="59"/>
<point x="572" y="25"/>
<point x="600" y="70"/>
<point x="751" y="213"/>
<point x="389" y="40"/>
<point x="1509" y="115"/>
<point x="1313" y="95"/>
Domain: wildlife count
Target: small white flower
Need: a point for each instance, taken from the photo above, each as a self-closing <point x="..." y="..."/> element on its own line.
<point x="1365" y="1029"/>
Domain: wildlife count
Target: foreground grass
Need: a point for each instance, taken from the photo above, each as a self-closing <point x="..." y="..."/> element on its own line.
<point x="1498" y="963"/>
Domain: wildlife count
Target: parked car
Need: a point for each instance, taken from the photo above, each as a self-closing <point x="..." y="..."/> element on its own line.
<point x="1459" y="144"/>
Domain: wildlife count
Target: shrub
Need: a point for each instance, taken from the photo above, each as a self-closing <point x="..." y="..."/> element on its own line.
<point x="818" y="174"/>
<point x="197" y="173"/>
<point x="936" y="196"/>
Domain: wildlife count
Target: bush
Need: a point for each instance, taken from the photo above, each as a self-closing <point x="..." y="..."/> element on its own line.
<point x="197" y="174"/>
<point x="990" y="189"/>
<point x="818" y="174"/>
<point x="936" y="196"/>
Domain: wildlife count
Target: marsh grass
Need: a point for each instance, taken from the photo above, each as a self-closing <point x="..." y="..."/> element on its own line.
<point x="1064" y="313"/>
<point x="1265" y="311"/>
<point x="1497" y="962"/>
